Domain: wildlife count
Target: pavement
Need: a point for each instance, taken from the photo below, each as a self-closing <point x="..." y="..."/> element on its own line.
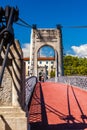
<point x="57" y="106"/>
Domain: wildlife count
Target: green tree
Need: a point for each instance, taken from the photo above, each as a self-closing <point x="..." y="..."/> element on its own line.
<point x="52" y="74"/>
<point x="75" y="65"/>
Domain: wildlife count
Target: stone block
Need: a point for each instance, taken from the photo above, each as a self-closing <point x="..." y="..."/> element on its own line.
<point x="2" y="124"/>
<point x="12" y="119"/>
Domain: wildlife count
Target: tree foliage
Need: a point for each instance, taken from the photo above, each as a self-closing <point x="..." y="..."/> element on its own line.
<point x="75" y="65"/>
<point x="52" y="74"/>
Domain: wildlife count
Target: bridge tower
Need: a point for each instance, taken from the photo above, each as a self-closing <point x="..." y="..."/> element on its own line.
<point x="50" y="37"/>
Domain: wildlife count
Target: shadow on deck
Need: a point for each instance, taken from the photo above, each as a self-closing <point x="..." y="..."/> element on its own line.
<point x="38" y="114"/>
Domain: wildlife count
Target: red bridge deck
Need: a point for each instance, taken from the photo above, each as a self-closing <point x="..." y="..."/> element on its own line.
<point x="58" y="106"/>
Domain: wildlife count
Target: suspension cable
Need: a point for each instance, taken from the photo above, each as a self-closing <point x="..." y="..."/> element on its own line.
<point x="1" y="45"/>
<point x="25" y="23"/>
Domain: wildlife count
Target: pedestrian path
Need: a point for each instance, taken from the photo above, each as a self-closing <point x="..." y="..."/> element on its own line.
<point x="57" y="106"/>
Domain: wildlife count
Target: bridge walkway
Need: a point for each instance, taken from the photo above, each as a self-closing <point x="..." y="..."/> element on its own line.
<point x="57" y="106"/>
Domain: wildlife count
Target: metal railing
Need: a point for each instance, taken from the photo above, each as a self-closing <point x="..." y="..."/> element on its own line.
<point x="29" y="88"/>
<point x="79" y="81"/>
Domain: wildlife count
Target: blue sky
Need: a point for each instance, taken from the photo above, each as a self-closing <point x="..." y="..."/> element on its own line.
<point x="48" y="13"/>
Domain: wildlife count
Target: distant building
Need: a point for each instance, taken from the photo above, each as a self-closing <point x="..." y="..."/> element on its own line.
<point x="45" y="65"/>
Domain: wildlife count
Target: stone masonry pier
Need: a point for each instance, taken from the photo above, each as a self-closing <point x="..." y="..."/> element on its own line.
<point x="12" y="94"/>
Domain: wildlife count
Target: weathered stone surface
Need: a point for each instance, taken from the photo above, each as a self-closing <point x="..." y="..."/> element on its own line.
<point x="2" y="124"/>
<point x="6" y="87"/>
<point x="15" y="51"/>
<point x="12" y="83"/>
<point x="12" y="119"/>
<point x="12" y="114"/>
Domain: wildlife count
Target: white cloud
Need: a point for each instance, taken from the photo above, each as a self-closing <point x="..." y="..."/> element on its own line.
<point x="80" y="51"/>
<point x="26" y="50"/>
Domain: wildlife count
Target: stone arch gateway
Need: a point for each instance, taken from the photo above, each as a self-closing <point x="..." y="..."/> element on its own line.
<point x="50" y="37"/>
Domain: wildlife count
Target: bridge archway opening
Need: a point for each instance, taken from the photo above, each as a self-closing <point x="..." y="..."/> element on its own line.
<point x="45" y="62"/>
